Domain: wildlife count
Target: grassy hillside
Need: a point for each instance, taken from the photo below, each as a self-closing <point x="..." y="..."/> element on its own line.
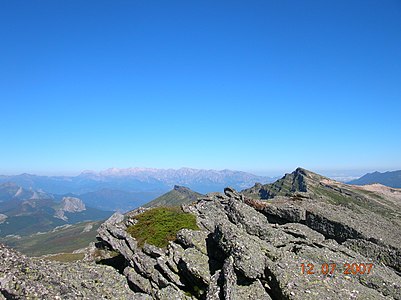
<point x="178" y="196"/>
<point x="160" y="225"/>
<point x="308" y="185"/>
<point x="65" y="239"/>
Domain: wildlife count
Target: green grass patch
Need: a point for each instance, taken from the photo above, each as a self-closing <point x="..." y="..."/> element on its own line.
<point x="66" y="257"/>
<point x="160" y="225"/>
<point x="62" y="240"/>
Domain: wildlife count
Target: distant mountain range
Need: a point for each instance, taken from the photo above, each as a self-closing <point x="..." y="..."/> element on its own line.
<point x="32" y="203"/>
<point x="391" y="179"/>
<point x="251" y="240"/>
<point x="26" y="211"/>
<point x="138" y="180"/>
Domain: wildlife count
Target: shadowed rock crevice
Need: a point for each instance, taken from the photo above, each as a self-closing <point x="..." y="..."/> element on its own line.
<point x="8" y="295"/>
<point x="118" y="262"/>
<point x="246" y="248"/>
<point x="331" y="229"/>
<point x="239" y="254"/>
<point x="216" y="256"/>
<point x="274" y="290"/>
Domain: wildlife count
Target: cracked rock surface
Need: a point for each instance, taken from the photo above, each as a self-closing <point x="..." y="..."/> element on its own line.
<point x="239" y="254"/>
<point x="245" y="249"/>
<point x="24" y="277"/>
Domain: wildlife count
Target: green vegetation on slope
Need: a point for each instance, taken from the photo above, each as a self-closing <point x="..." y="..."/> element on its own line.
<point x="289" y="185"/>
<point x="178" y="196"/>
<point x="356" y="200"/>
<point x="160" y="225"/>
<point x="66" y="257"/>
<point x="60" y="240"/>
<point x="316" y="187"/>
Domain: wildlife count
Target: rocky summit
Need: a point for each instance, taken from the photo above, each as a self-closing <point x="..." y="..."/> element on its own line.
<point x="303" y="237"/>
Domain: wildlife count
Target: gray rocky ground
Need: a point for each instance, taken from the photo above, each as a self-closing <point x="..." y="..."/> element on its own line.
<point x="24" y="277"/>
<point x="245" y="249"/>
<point x="239" y="254"/>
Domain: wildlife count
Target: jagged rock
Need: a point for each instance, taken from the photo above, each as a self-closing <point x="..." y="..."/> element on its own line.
<point x="240" y="254"/>
<point x="234" y="291"/>
<point x="255" y="290"/>
<point x="230" y="279"/>
<point x="152" y="251"/>
<point x="210" y="212"/>
<point x="170" y="272"/>
<point x="284" y="212"/>
<point x="253" y="222"/>
<point x="175" y="252"/>
<point x="194" y="265"/>
<point x="252" y="249"/>
<point x="23" y="277"/>
<point x="214" y="290"/>
<point x="388" y="255"/>
<point x="193" y="238"/>
<point x="231" y="193"/>
<point x="145" y="266"/>
<point x="171" y="293"/>
<point x="137" y="281"/>
<point x="141" y="296"/>
<point x="249" y="252"/>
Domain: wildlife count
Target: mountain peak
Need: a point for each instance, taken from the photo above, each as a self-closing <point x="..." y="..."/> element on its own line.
<point x="298" y="183"/>
<point x="72" y="204"/>
<point x="389" y="178"/>
<point x="180" y="188"/>
<point x="177" y="196"/>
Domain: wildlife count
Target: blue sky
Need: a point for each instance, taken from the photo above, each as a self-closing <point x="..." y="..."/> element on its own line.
<point x="261" y="86"/>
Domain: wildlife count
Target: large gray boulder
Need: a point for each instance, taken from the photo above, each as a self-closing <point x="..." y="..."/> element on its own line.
<point x="282" y="248"/>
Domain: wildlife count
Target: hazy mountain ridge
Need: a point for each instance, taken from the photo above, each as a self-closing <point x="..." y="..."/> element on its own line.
<point x="25" y="212"/>
<point x="391" y="179"/>
<point x="247" y="248"/>
<point x="138" y="180"/>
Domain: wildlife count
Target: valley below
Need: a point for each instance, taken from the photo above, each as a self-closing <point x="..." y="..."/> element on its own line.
<point x="303" y="236"/>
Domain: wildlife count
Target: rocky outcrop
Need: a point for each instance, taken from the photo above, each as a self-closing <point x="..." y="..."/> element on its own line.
<point x="23" y="277"/>
<point x="365" y="219"/>
<point x="69" y="204"/>
<point x="72" y="204"/>
<point x="250" y="249"/>
<point x="314" y="239"/>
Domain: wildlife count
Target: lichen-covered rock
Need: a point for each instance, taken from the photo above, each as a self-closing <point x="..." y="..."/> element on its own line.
<point x="23" y="277"/>
<point x="295" y="246"/>
<point x="247" y="251"/>
<point x="195" y="266"/>
<point x="193" y="238"/>
<point x="171" y="293"/>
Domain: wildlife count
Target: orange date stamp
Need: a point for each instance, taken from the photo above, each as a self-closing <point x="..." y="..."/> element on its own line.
<point x="331" y="268"/>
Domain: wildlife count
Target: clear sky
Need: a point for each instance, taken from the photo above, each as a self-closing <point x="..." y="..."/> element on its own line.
<point x="261" y="86"/>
